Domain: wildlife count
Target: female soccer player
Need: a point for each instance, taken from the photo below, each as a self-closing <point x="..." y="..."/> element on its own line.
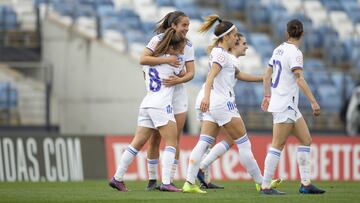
<point x="221" y="147"/>
<point x="156" y="112"/>
<point x="216" y="104"/>
<point x="180" y="22"/>
<point x="282" y="81"/>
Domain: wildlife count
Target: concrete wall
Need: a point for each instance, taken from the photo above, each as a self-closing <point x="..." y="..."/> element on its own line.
<point x="98" y="89"/>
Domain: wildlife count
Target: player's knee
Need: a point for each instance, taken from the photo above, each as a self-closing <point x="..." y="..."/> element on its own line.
<point x="279" y="145"/>
<point x="155" y="140"/>
<point x="307" y="141"/>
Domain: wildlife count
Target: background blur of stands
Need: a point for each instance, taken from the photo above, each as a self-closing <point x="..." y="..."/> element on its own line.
<point x="331" y="49"/>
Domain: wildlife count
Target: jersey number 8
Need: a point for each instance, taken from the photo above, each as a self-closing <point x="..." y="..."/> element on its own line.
<point x="155" y="82"/>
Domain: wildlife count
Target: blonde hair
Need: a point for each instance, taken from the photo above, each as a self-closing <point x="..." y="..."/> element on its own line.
<point x="220" y="28"/>
<point x="209" y="22"/>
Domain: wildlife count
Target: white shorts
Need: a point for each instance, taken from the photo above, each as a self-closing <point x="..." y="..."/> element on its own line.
<point x="220" y="116"/>
<point x="290" y="115"/>
<point x="180" y="100"/>
<point x="154" y="118"/>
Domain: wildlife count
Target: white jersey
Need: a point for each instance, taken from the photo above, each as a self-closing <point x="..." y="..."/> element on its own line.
<point x="187" y="57"/>
<point x="158" y="96"/>
<point x="284" y="89"/>
<point x="188" y="50"/>
<point x="236" y="65"/>
<point x="222" y="90"/>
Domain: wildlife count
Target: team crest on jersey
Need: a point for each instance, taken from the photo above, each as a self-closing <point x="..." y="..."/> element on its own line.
<point x="221" y="58"/>
<point x="299" y="59"/>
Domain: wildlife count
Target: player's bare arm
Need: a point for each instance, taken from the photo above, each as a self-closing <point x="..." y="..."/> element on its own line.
<point x="247" y="77"/>
<point x="301" y="82"/>
<point x="267" y="92"/>
<point x="183" y="77"/>
<point x="146" y="58"/>
<point x="205" y="103"/>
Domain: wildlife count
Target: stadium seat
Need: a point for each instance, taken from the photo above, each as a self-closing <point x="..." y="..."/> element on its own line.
<point x="105" y="10"/>
<point x="111" y="23"/>
<point x="8" y="18"/>
<point x="8" y="96"/>
<point x="313" y="40"/>
<point x="332" y="5"/>
<point x="259" y="16"/>
<point x="164" y="3"/>
<point x="293" y="6"/>
<point x="312" y="64"/>
<point x="326" y="92"/>
<point x="262" y="44"/>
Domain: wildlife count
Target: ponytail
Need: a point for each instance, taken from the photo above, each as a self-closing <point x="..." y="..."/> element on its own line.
<point x="221" y="29"/>
<point x="170" y="38"/>
<point x="209" y="22"/>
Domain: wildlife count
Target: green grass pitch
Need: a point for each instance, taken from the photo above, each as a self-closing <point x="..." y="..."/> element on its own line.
<point x="235" y="191"/>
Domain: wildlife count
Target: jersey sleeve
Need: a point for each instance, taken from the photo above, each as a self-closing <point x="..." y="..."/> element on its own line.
<point x="189" y="52"/>
<point x="296" y="60"/>
<point x="271" y="62"/>
<point x="153" y="42"/>
<point x="218" y="56"/>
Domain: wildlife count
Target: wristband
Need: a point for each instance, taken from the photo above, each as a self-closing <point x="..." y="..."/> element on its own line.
<point x="267" y="96"/>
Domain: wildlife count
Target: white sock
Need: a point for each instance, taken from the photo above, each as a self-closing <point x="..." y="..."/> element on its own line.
<point x="205" y="170"/>
<point x="167" y="161"/>
<point x="199" y="150"/>
<point x="152" y="165"/>
<point x="303" y="160"/>
<point x="173" y="170"/>
<point x="247" y="158"/>
<point x="271" y="162"/>
<point x="218" y="150"/>
<point x="126" y="159"/>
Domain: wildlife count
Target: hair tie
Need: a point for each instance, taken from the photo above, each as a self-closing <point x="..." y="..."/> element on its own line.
<point x="226" y="32"/>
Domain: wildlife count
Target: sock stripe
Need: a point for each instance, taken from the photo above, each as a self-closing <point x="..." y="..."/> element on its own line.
<point x="132" y="150"/>
<point x="170" y="149"/>
<point x="242" y="139"/>
<point x="274" y="153"/>
<point x="226" y="145"/>
<point x="153" y="161"/>
<point x="207" y="139"/>
<point x="303" y="150"/>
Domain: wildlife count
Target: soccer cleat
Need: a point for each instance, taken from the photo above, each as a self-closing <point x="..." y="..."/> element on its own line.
<point x="271" y="191"/>
<point x="274" y="184"/>
<point x="310" y="189"/>
<point x="258" y="187"/>
<point x="211" y="186"/>
<point x="151" y="186"/>
<point x="169" y="188"/>
<point x="119" y="185"/>
<point x="192" y="188"/>
<point x="201" y="178"/>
